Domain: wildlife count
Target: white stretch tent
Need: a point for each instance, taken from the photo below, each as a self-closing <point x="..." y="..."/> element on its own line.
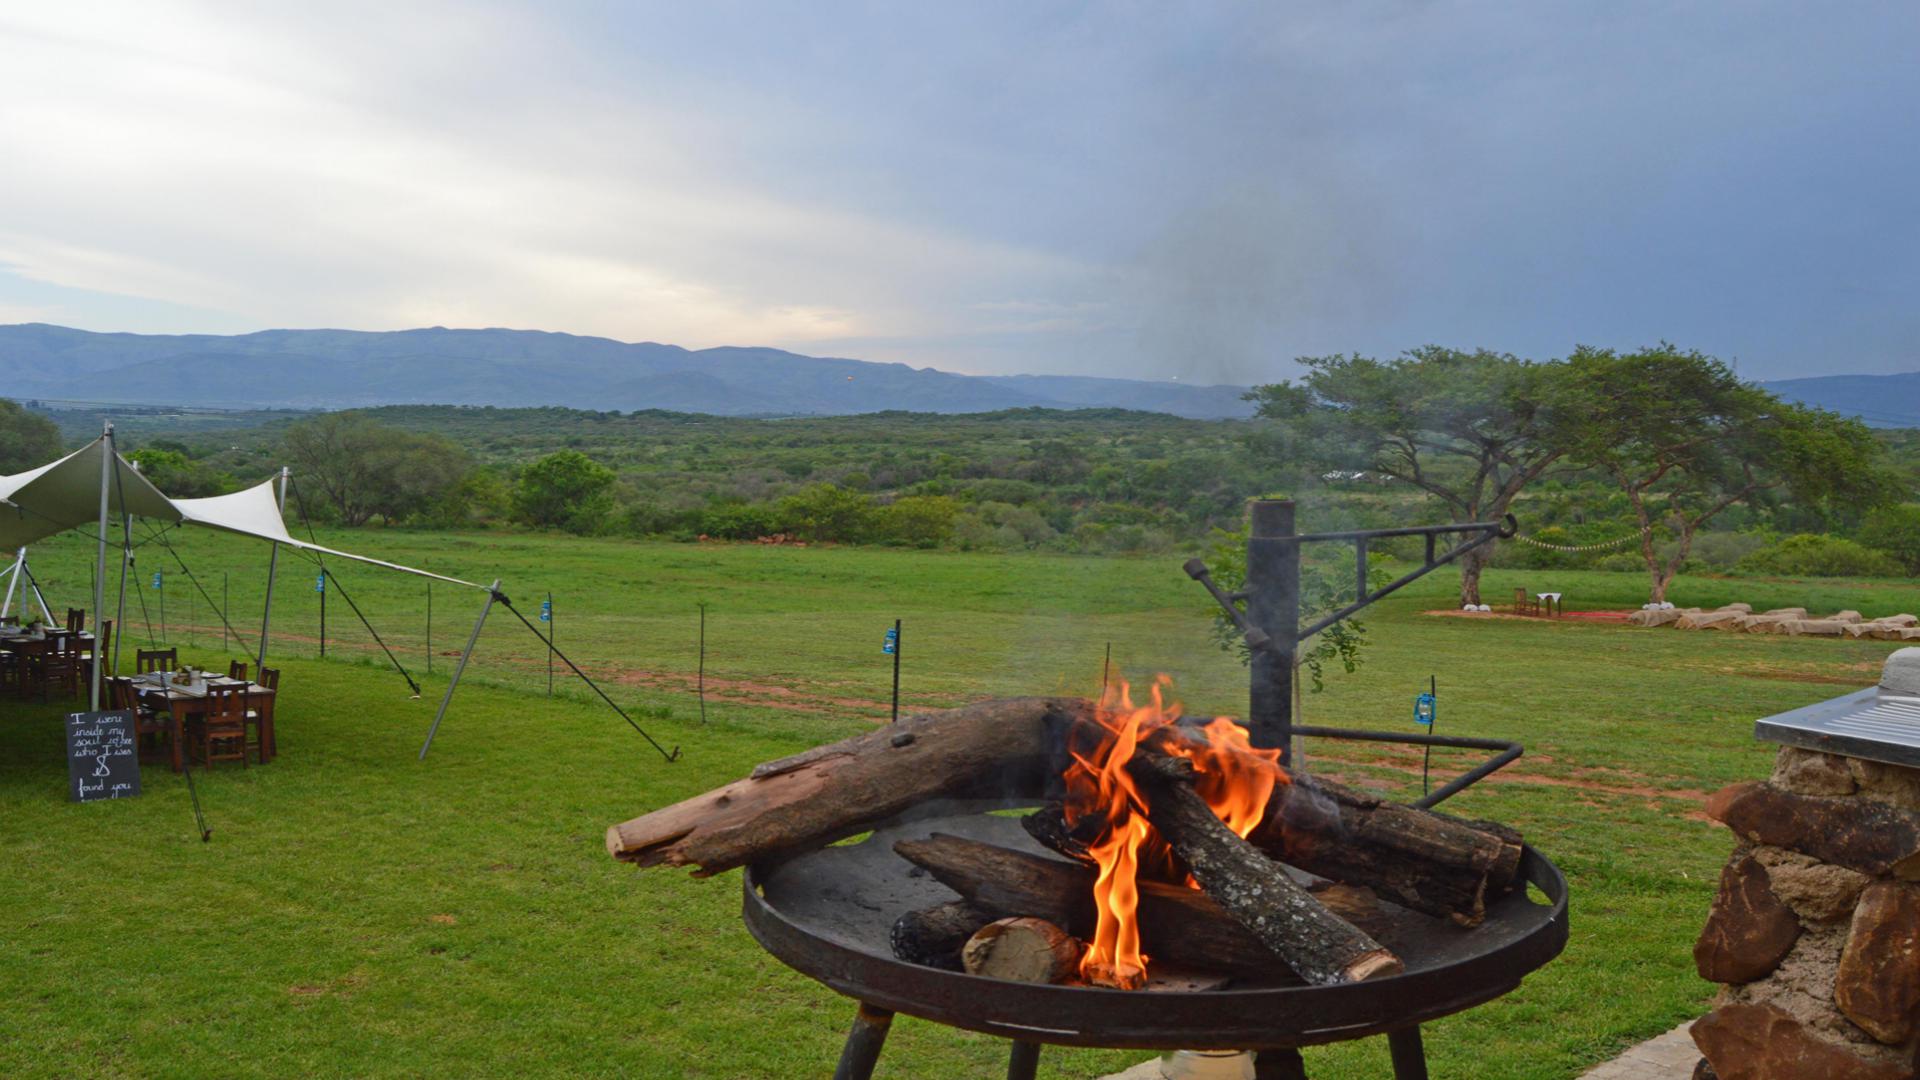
<point x="94" y="485"/>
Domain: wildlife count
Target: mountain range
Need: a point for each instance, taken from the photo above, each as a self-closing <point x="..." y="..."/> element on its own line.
<point x="335" y="369"/>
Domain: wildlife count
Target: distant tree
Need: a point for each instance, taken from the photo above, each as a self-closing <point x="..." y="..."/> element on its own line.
<point x="176" y="474"/>
<point x="827" y="512"/>
<point x="920" y="520"/>
<point x="27" y="439"/>
<point x="566" y="490"/>
<point x="1685" y="439"/>
<point x="1471" y="429"/>
<point x="362" y="469"/>
<point x="1895" y="530"/>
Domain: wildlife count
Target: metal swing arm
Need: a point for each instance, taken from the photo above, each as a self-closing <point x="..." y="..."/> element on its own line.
<point x="1485" y="533"/>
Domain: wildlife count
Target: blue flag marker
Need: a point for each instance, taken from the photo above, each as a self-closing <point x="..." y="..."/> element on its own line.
<point x="891" y="642"/>
<point x="156" y="579"/>
<point x="546" y="611"/>
<point x="319" y="583"/>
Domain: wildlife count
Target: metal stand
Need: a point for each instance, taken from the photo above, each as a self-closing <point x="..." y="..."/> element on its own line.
<point x="1024" y="1062"/>
<point x="862" y="1051"/>
<point x="1409" y="1054"/>
<point x="273" y="568"/>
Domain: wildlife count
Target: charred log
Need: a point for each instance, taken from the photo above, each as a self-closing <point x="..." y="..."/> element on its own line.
<point x="934" y="936"/>
<point x="1318" y="945"/>
<point x="1178" y="925"/>
<point x="1429" y="862"/>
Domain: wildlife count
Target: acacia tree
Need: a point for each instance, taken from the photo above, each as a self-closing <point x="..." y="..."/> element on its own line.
<point x="364" y="469"/>
<point x="1471" y="429"/>
<point x="1685" y="439"/>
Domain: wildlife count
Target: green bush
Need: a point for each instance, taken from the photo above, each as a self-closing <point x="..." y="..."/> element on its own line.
<point x="567" y="489"/>
<point x="827" y="512"/>
<point x="1815" y="555"/>
<point x="1622" y="562"/>
<point x="921" y="520"/>
<point x="1895" y="531"/>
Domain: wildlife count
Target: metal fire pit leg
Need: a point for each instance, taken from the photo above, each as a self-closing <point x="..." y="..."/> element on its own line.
<point x="1409" y="1055"/>
<point x="862" y="1051"/>
<point x="1279" y="1065"/>
<point x="1024" y="1062"/>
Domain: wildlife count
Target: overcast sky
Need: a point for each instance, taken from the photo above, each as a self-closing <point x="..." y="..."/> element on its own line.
<point x="1194" y="190"/>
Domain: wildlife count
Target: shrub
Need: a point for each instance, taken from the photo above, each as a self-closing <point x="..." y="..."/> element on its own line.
<point x="1895" y="531"/>
<point x="920" y="520"/>
<point x="568" y="490"/>
<point x="1622" y="562"/>
<point x="827" y="512"/>
<point x="739" y="521"/>
<point x="1815" y="555"/>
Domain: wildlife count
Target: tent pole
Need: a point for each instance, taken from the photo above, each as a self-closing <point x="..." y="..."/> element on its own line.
<point x="126" y="560"/>
<point x="273" y="565"/>
<point x="100" y="574"/>
<point x="472" y="640"/>
<point x="33" y="583"/>
<point x="14" y="570"/>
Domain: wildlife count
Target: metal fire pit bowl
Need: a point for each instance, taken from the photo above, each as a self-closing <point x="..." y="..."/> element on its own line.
<point x="826" y="914"/>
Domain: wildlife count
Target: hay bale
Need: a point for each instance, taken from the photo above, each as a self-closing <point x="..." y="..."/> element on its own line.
<point x="1815" y="627"/>
<point x="1868" y="629"/>
<point x="1791" y="612"/>
<point x="1658" y="616"/>
<point x="1761" y="624"/>
<point x="1899" y="620"/>
<point x="1848" y="616"/>
<point x="1740" y="606"/>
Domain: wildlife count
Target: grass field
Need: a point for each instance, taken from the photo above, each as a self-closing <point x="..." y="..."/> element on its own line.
<point x="359" y="912"/>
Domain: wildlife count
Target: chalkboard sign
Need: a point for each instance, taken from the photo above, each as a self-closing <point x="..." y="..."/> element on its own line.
<point x="103" y="760"/>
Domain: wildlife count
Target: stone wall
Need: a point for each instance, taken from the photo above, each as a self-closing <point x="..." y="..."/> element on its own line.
<point x="1815" y="932"/>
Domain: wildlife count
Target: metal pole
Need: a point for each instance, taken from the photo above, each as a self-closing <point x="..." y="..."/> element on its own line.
<point x="1273" y="606"/>
<point x="126" y="560"/>
<point x="321" y="583"/>
<point x="550" y="644"/>
<point x="33" y="584"/>
<point x="429" y="627"/>
<point x="19" y="560"/>
<point x="273" y="566"/>
<point x="702" y="684"/>
<point x="460" y="668"/>
<point x="223" y="611"/>
<point x="898" y="648"/>
<point x="100" y="572"/>
<point x="163" y="605"/>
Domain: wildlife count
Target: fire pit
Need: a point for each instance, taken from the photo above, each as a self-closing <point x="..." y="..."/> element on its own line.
<point x="1180" y="886"/>
<point x="826" y="914"/>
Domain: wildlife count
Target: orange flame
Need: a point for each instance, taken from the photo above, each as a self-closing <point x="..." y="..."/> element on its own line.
<point x="1234" y="778"/>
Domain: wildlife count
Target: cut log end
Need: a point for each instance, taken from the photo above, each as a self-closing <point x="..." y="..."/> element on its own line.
<point x="1374" y="965"/>
<point x="1022" y="950"/>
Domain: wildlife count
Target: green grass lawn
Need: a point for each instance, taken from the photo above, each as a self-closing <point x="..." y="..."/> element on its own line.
<point x="359" y="912"/>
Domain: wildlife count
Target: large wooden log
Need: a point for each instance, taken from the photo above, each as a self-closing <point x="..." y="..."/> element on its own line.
<point x="1178" y="925"/>
<point x="1022" y="949"/>
<point x="1419" y="859"/>
<point x="1318" y="945"/>
<point x="1002" y="746"/>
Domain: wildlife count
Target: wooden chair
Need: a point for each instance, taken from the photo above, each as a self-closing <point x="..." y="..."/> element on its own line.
<point x="76" y="619"/>
<point x="237" y="669"/>
<point x="1524" y="604"/>
<point x="146" y="722"/>
<point x="260" y="713"/>
<point x="221" y="731"/>
<point x="150" y="660"/>
<point x="58" y="665"/>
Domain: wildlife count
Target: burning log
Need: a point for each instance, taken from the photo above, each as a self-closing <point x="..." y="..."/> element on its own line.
<point x="1419" y="859"/>
<point x="998" y="746"/>
<point x="934" y="936"/>
<point x="1318" y="945"/>
<point x="1178" y="925"/>
<point x="1022" y="949"/>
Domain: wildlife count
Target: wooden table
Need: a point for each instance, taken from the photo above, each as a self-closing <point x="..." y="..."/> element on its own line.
<point x="27" y="645"/>
<point x="181" y="703"/>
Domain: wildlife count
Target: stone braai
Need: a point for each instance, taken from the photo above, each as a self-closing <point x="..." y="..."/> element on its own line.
<point x="1814" y="935"/>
